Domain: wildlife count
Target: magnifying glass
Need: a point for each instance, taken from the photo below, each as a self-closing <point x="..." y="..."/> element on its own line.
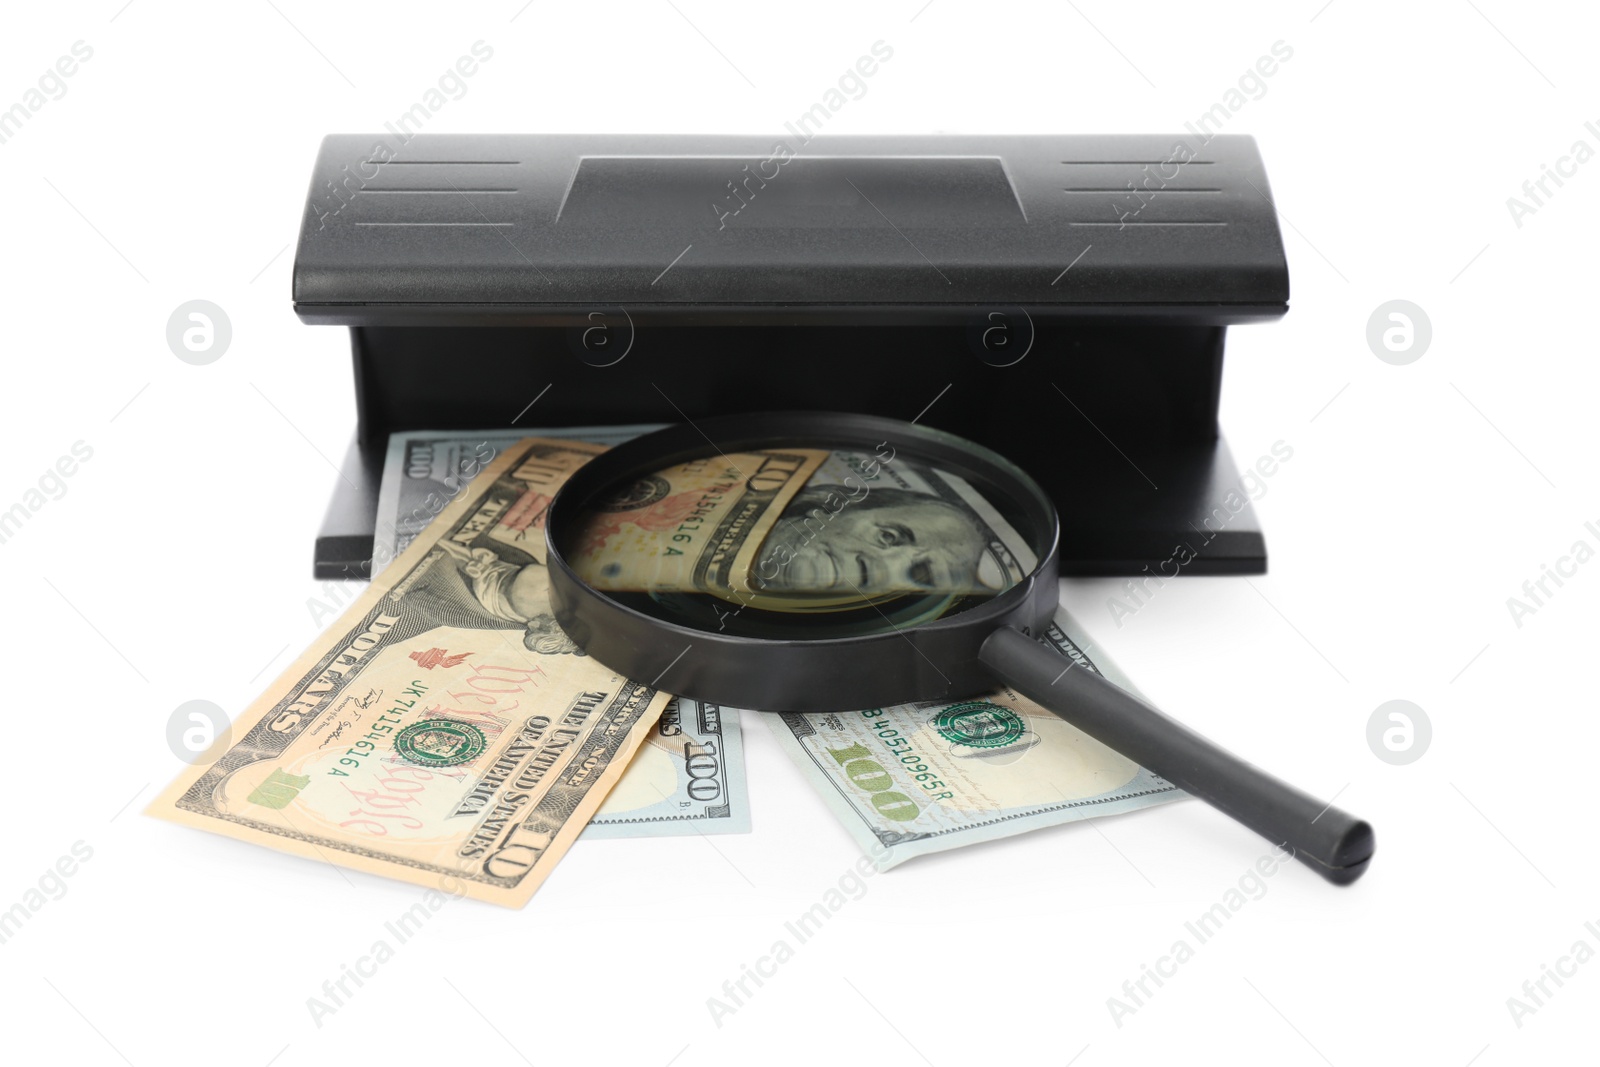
<point x="800" y="561"/>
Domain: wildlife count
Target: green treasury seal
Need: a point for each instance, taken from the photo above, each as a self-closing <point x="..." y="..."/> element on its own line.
<point x="439" y="742"/>
<point x="980" y="724"/>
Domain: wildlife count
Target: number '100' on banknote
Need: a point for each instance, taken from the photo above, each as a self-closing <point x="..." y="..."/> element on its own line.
<point x="919" y="778"/>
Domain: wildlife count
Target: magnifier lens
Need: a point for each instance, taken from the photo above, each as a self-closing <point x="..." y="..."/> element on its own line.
<point x="820" y="540"/>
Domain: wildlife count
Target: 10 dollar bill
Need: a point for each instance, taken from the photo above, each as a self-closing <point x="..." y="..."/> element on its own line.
<point x="444" y="731"/>
<point x="690" y="778"/>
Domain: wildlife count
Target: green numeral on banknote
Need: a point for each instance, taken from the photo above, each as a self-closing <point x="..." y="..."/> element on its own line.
<point x="279" y="789"/>
<point x="869" y="776"/>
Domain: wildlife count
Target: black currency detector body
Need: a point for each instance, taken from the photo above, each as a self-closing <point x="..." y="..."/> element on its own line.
<point x="1062" y="300"/>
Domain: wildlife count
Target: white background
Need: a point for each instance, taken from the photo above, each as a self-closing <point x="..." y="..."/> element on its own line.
<point x="1419" y="498"/>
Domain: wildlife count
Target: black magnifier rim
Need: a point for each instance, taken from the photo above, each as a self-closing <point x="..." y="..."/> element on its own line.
<point x="932" y="661"/>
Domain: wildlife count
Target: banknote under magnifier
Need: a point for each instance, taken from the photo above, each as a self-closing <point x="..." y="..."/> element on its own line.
<point x="806" y="561"/>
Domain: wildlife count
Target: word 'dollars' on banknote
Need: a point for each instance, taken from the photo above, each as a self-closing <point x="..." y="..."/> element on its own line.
<point x="444" y="730"/>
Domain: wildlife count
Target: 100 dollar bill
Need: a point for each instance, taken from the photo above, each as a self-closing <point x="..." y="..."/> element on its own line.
<point x="444" y="729"/>
<point x="919" y="778"/>
<point x="688" y="778"/>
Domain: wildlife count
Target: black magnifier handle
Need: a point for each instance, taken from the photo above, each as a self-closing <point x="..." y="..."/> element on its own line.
<point x="1336" y="845"/>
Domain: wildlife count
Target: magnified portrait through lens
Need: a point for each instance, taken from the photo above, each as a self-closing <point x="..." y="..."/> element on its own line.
<point x="801" y="540"/>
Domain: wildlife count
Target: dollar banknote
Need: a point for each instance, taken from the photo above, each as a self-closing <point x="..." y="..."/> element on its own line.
<point x="687" y="778"/>
<point x="919" y="778"/>
<point x="692" y="527"/>
<point x="799" y="530"/>
<point x="796" y="520"/>
<point x="690" y="780"/>
<point x="444" y="728"/>
<point x="424" y="470"/>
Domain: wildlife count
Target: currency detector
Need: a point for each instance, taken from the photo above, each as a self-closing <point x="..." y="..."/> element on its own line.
<point x="1061" y="299"/>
